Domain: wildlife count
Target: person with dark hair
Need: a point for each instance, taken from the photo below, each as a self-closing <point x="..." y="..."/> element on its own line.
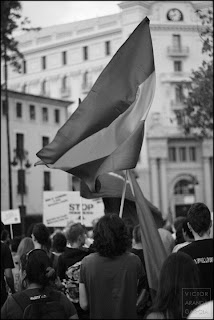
<point x="201" y="250"/>
<point x="178" y="272"/>
<point x="69" y="264"/>
<point x="6" y="269"/>
<point x="5" y="237"/>
<point x="109" y="276"/>
<point x="184" y="233"/>
<point x="36" y="273"/>
<point x="58" y="247"/>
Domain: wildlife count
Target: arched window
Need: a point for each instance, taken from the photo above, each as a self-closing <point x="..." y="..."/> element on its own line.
<point x="184" y="187"/>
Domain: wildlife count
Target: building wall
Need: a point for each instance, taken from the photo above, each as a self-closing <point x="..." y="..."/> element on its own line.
<point x="33" y="131"/>
<point x="161" y="123"/>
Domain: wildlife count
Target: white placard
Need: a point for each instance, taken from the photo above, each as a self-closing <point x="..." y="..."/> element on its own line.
<point x="11" y="216"/>
<point x="59" y="208"/>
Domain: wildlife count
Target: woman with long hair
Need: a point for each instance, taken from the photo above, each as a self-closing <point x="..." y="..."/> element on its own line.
<point x="179" y="273"/>
<point x="25" y="246"/>
<point x="36" y="274"/>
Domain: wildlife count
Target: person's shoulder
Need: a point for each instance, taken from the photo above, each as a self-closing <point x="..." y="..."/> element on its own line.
<point x="90" y="257"/>
<point x="155" y="315"/>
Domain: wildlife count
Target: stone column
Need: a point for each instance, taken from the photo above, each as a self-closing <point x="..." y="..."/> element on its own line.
<point x="155" y="183"/>
<point x="163" y="185"/>
<point x="207" y="183"/>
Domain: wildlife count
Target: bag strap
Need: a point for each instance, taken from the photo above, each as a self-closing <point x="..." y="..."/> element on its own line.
<point x="22" y="299"/>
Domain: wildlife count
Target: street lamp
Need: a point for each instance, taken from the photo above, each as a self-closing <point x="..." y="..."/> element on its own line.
<point x="21" y="156"/>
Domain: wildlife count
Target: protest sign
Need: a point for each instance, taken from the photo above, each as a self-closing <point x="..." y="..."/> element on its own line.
<point x="11" y="216"/>
<point x="63" y="207"/>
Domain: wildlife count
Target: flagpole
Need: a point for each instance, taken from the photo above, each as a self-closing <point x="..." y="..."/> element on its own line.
<point x="130" y="181"/>
<point x="11" y="231"/>
<point x="123" y="196"/>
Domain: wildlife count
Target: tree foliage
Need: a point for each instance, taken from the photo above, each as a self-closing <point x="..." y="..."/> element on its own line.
<point x="198" y="110"/>
<point x="11" y="20"/>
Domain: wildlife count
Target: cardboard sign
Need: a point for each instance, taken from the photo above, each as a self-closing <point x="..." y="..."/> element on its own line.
<point x="60" y="208"/>
<point x="11" y="216"/>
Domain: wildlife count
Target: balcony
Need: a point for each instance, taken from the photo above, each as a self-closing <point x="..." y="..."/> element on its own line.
<point x="86" y="87"/>
<point x="177" y="52"/>
<point x="176" y="105"/>
<point x="65" y="92"/>
<point x="175" y="77"/>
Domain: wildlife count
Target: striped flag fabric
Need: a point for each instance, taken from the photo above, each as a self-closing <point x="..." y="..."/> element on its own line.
<point x="112" y="184"/>
<point x="153" y="248"/>
<point x="105" y="133"/>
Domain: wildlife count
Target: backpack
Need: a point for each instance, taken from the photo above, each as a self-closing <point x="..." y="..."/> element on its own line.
<point x="40" y="306"/>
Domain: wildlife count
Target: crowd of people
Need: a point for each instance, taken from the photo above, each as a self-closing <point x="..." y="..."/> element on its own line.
<point x="77" y="273"/>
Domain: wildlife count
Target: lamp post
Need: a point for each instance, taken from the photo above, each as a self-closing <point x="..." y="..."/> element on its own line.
<point x="21" y="156"/>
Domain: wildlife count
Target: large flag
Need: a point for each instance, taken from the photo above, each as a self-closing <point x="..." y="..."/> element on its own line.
<point x="111" y="190"/>
<point x="153" y="248"/>
<point x="106" y="131"/>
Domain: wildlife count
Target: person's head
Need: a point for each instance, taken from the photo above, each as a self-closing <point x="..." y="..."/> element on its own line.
<point x="40" y="236"/>
<point x="25" y="246"/>
<point x="178" y="222"/>
<point x="5" y="236"/>
<point x="59" y="242"/>
<point x="199" y="220"/>
<point x="111" y="237"/>
<point x="75" y="235"/>
<point x="187" y="234"/>
<point x="179" y="271"/>
<point x="14" y="244"/>
<point x="36" y="268"/>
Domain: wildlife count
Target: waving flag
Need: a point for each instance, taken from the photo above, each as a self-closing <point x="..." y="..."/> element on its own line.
<point x="153" y="248"/>
<point x="111" y="191"/>
<point x="106" y="131"/>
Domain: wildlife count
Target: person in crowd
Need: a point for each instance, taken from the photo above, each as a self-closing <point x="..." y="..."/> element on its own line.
<point x="58" y="246"/>
<point x="25" y="246"/>
<point x="184" y="233"/>
<point x="178" y="221"/>
<point x="41" y="238"/>
<point x="14" y="243"/>
<point x="6" y="269"/>
<point x="167" y="239"/>
<point x="109" y="276"/>
<point x="144" y="297"/>
<point x="69" y="264"/>
<point x="36" y="273"/>
<point x="5" y="237"/>
<point x="178" y="272"/>
<point x="201" y="250"/>
<point x="14" y="247"/>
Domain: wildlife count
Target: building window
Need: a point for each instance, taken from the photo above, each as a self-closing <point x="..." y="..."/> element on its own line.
<point x="57" y="115"/>
<point x="21" y="188"/>
<point x="183" y="187"/>
<point x="32" y="112"/>
<point x="64" y="82"/>
<point x="182" y="154"/>
<point x="85" y="79"/>
<point x="192" y="153"/>
<point x="177" y="66"/>
<point x="45" y="141"/>
<point x="47" y="180"/>
<point x="4" y="107"/>
<point x="44" y="87"/>
<point x="172" y="154"/>
<point x="20" y="145"/>
<point x="45" y="114"/>
<point x="107" y="48"/>
<point x="24" y="66"/>
<point x="85" y="53"/>
<point x="24" y="88"/>
<point x="18" y="110"/>
<point x="64" y="58"/>
<point x="44" y="63"/>
<point x="179" y="93"/>
<point x="176" y="41"/>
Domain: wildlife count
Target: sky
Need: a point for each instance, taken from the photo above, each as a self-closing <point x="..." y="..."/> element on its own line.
<point x="48" y="13"/>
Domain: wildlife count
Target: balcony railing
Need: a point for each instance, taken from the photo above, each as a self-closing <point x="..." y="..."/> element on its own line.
<point x="177" y="76"/>
<point x="177" y="105"/>
<point x="177" y="51"/>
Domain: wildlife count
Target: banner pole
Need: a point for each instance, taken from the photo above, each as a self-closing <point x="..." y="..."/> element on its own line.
<point x="130" y="182"/>
<point x="11" y="231"/>
<point x="81" y="211"/>
<point x="123" y="196"/>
